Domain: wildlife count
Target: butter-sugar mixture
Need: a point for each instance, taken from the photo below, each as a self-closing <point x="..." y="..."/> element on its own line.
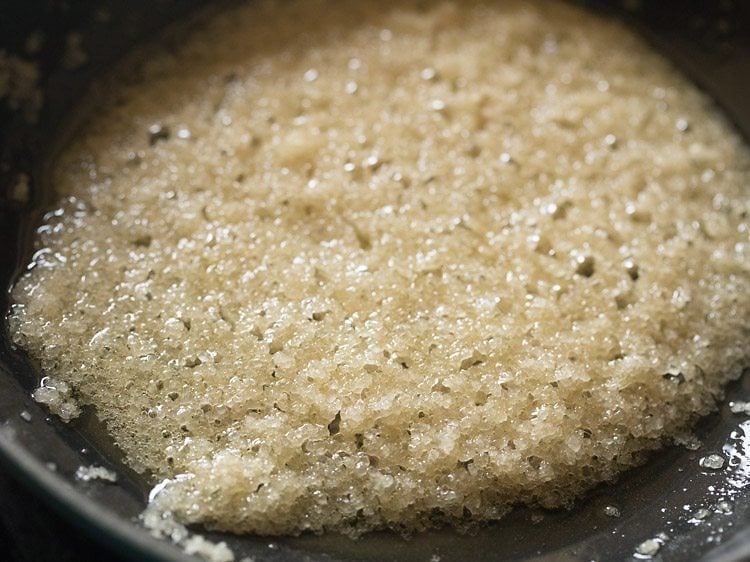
<point x="327" y="265"/>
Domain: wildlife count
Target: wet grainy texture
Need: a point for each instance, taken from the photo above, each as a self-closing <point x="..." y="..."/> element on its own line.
<point x="372" y="264"/>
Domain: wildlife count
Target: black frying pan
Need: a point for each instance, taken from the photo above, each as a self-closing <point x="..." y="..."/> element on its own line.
<point x="710" y="41"/>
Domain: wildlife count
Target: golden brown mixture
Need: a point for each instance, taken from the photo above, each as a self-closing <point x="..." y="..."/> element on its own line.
<point x="352" y="265"/>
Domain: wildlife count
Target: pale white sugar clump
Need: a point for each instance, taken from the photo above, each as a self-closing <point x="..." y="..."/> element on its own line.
<point x="88" y="473"/>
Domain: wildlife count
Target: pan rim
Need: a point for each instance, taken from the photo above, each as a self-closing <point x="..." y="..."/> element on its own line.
<point x="135" y="542"/>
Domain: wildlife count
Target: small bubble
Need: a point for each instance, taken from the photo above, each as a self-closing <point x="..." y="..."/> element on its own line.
<point x="648" y="548"/>
<point x="612" y="511"/>
<point x="428" y="74"/>
<point x="700" y="515"/>
<point x="725" y="507"/>
<point x="682" y="125"/>
<point x="712" y="462"/>
<point x="437" y="105"/>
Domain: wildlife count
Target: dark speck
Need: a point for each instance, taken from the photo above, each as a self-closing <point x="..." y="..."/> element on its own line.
<point x="333" y="427"/>
<point x="142" y="241"/>
<point x="585" y="266"/>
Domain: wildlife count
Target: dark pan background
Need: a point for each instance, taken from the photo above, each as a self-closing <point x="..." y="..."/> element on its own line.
<point x="47" y="515"/>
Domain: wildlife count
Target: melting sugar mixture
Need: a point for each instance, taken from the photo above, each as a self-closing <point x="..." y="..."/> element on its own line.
<point x="342" y="266"/>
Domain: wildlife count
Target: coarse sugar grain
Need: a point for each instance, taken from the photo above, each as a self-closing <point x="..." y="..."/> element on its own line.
<point x="346" y="266"/>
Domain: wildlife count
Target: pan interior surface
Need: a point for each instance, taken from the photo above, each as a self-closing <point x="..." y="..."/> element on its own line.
<point x="592" y="530"/>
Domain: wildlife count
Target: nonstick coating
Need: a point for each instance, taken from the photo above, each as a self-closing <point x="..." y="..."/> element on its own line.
<point x="710" y="41"/>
